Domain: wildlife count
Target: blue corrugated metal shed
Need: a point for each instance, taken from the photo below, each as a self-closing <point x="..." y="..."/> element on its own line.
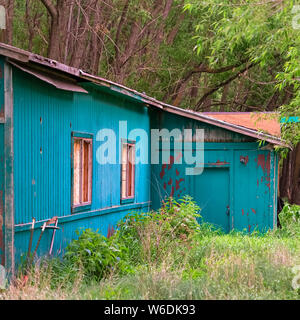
<point x="46" y="102"/>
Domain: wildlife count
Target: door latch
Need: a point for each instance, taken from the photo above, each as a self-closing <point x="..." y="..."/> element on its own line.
<point x="228" y="211"/>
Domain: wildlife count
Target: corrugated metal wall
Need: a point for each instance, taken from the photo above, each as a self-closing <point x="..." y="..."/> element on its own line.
<point x="44" y="118"/>
<point x="248" y="188"/>
<point x="2" y="161"/>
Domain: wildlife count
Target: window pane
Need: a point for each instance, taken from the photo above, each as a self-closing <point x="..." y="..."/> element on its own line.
<point x="127" y="173"/>
<point x="76" y="172"/>
<point x="130" y="170"/>
<point x="124" y="171"/>
<point x="85" y="171"/>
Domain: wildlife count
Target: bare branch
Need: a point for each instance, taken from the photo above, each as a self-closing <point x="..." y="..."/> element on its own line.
<point x="222" y="84"/>
<point x="50" y="7"/>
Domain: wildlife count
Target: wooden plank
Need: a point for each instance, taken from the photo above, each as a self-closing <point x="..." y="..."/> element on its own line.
<point x="9" y="171"/>
<point x="14" y="53"/>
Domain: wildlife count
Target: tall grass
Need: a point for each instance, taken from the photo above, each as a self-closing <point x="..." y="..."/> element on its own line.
<point x="166" y="255"/>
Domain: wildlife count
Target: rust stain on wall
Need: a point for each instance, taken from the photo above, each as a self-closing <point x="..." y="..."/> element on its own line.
<point x="172" y="192"/>
<point x="244" y="159"/>
<point x="163" y="171"/>
<point x="221" y="163"/>
<point x="178" y="183"/>
<point x="171" y="162"/>
<point x="265" y="163"/>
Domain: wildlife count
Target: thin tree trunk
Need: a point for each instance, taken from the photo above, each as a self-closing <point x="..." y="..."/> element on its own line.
<point x="7" y="34"/>
<point x="68" y="32"/>
<point x="290" y="177"/>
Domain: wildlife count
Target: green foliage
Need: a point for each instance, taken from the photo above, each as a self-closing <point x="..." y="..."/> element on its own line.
<point x="180" y="216"/>
<point x="173" y="45"/>
<point x="149" y="236"/>
<point x="166" y="255"/>
<point x="259" y="32"/>
<point x="289" y="219"/>
<point x="95" y="254"/>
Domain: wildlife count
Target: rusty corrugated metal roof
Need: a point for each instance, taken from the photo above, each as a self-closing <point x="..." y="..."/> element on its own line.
<point x="260" y="121"/>
<point x="247" y="127"/>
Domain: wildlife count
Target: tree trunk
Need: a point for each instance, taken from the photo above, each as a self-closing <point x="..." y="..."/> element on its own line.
<point x="6" y="35"/>
<point x="290" y="177"/>
<point x="84" y="33"/>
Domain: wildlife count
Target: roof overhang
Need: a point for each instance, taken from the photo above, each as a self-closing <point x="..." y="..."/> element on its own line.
<point x="226" y="125"/>
<point x="62" y="83"/>
<point x="26" y="57"/>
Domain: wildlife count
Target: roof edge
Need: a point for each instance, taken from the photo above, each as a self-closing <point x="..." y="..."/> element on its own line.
<point x="25" y="56"/>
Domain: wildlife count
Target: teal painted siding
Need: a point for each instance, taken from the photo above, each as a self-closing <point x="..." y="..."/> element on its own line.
<point x="44" y="118"/>
<point x="2" y="189"/>
<point x="231" y="194"/>
<point x="2" y="162"/>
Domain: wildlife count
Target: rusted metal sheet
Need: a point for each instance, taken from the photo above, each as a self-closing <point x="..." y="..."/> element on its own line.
<point x="53" y="80"/>
<point x="220" y="123"/>
<point x="260" y="121"/>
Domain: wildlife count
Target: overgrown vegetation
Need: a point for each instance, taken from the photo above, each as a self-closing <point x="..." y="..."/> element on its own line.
<point x="167" y="255"/>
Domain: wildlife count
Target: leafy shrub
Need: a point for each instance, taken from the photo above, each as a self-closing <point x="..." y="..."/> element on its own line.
<point x="150" y="236"/>
<point x="181" y="215"/>
<point x="289" y="219"/>
<point x="95" y="254"/>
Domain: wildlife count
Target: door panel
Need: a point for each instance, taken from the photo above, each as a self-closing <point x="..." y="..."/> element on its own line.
<point x="212" y="195"/>
<point x="254" y="184"/>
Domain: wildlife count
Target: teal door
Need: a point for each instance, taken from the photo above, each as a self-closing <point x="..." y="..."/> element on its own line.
<point x="211" y="191"/>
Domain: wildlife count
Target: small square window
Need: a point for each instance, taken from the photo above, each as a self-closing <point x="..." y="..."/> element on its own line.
<point x="82" y="156"/>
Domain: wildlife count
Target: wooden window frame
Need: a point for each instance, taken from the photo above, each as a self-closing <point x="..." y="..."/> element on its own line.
<point x="82" y="206"/>
<point x="129" y="198"/>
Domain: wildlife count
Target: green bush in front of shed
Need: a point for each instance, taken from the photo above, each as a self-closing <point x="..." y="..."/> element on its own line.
<point x="140" y="238"/>
<point x="150" y="236"/>
<point x="96" y="254"/>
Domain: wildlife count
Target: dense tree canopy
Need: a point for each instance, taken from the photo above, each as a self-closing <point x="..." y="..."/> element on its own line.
<point x="260" y="39"/>
<point x="213" y="55"/>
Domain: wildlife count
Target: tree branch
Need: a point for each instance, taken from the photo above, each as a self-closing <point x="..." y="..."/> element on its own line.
<point x="222" y="84"/>
<point x="50" y="7"/>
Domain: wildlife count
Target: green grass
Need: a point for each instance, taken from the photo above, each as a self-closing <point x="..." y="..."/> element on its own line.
<point x="164" y="261"/>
